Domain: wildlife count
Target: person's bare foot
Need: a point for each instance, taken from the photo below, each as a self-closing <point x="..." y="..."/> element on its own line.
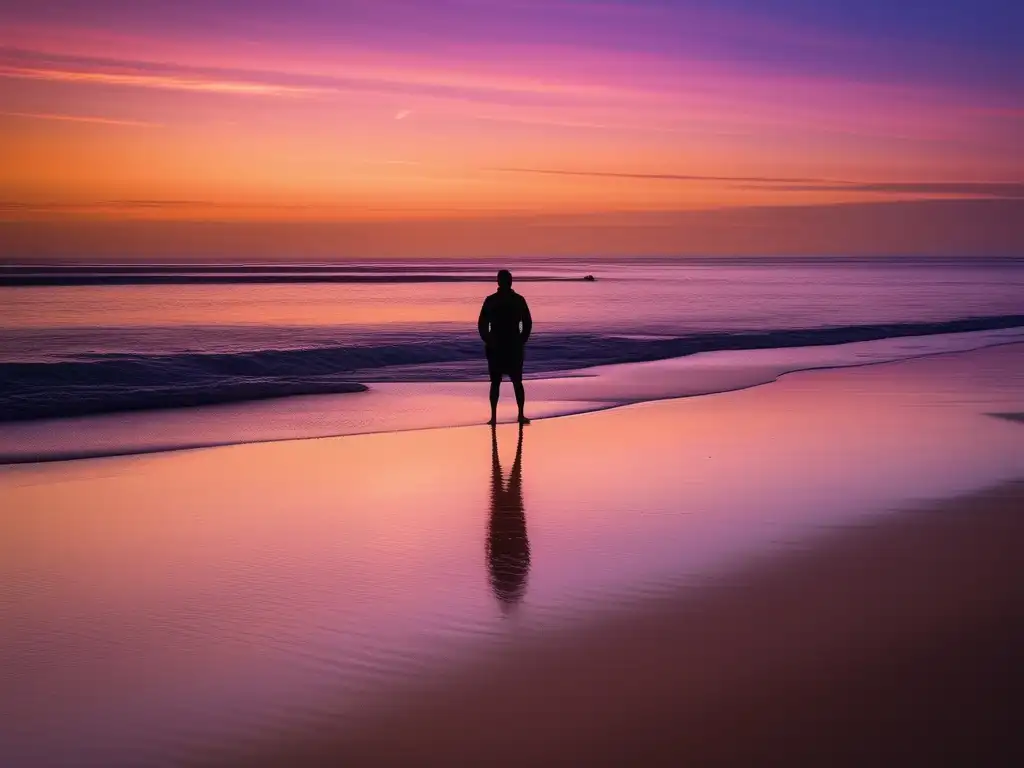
<point x="523" y="420"/>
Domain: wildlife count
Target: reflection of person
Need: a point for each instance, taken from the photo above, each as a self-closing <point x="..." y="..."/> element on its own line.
<point x="505" y="326"/>
<point x="508" y="548"/>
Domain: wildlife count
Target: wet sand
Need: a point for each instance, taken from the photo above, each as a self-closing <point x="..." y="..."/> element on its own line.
<point x="823" y="570"/>
<point x="896" y="643"/>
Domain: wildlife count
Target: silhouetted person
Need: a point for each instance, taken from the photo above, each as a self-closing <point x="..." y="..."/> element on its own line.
<point x="505" y="326"/>
<point x="508" y="548"/>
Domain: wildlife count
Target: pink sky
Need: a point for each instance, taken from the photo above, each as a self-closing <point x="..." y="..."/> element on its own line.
<point x="462" y="109"/>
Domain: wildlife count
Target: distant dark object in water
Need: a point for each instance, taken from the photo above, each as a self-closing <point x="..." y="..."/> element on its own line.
<point x="589" y="278"/>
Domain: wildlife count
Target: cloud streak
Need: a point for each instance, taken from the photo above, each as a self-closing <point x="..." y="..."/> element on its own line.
<point x="659" y="176"/>
<point x="82" y="119"/>
<point x="163" y="82"/>
<point x="18" y="63"/>
<point x="1010" y="190"/>
<point x="1007" y="190"/>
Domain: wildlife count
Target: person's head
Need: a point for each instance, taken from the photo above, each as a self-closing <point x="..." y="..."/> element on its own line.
<point x="504" y="279"/>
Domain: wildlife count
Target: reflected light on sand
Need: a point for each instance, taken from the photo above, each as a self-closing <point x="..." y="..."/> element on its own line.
<point x="322" y="572"/>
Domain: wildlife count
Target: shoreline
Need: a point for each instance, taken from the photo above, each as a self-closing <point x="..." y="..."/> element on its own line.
<point x="574" y="393"/>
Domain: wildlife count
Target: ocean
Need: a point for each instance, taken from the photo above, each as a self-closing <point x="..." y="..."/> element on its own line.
<point x="87" y="351"/>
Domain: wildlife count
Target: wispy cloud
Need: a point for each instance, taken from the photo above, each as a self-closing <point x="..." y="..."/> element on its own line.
<point x="662" y="176"/>
<point x="42" y="65"/>
<point x="165" y="82"/>
<point x="1001" y="189"/>
<point x="1011" y="190"/>
<point x="71" y="207"/>
<point x="81" y="119"/>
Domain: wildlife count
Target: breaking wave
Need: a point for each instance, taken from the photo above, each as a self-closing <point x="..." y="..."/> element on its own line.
<point x="109" y="383"/>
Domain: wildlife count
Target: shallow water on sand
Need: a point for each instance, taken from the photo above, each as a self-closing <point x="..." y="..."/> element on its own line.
<point x="75" y="350"/>
<point x="393" y="406"/>
<point x="163" y="608"/>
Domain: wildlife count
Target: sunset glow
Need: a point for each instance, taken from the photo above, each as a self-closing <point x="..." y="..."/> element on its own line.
<point x="391" y="110"/>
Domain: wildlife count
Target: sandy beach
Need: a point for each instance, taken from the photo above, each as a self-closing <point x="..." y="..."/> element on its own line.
<point x="821" y="570"/>
<point x="893" y="643"/>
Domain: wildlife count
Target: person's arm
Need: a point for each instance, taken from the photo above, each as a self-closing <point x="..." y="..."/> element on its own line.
<point x="483" y="324"/>
<point x="527" y="323"/>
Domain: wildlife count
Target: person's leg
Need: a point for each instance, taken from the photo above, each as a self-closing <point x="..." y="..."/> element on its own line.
<point x="494" y="371"/>
<point x="516" y="375"/>
<point x="495" y="391"/>
<point x="517" y="385"/>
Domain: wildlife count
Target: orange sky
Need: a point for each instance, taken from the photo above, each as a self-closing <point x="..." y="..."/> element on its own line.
<point x="475" y="110"/>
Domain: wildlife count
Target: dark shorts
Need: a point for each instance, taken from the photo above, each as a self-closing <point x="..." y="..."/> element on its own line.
<point x="505" y="361"/>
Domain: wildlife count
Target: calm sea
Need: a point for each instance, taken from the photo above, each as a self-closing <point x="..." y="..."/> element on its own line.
<point x="80" y="341"/>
